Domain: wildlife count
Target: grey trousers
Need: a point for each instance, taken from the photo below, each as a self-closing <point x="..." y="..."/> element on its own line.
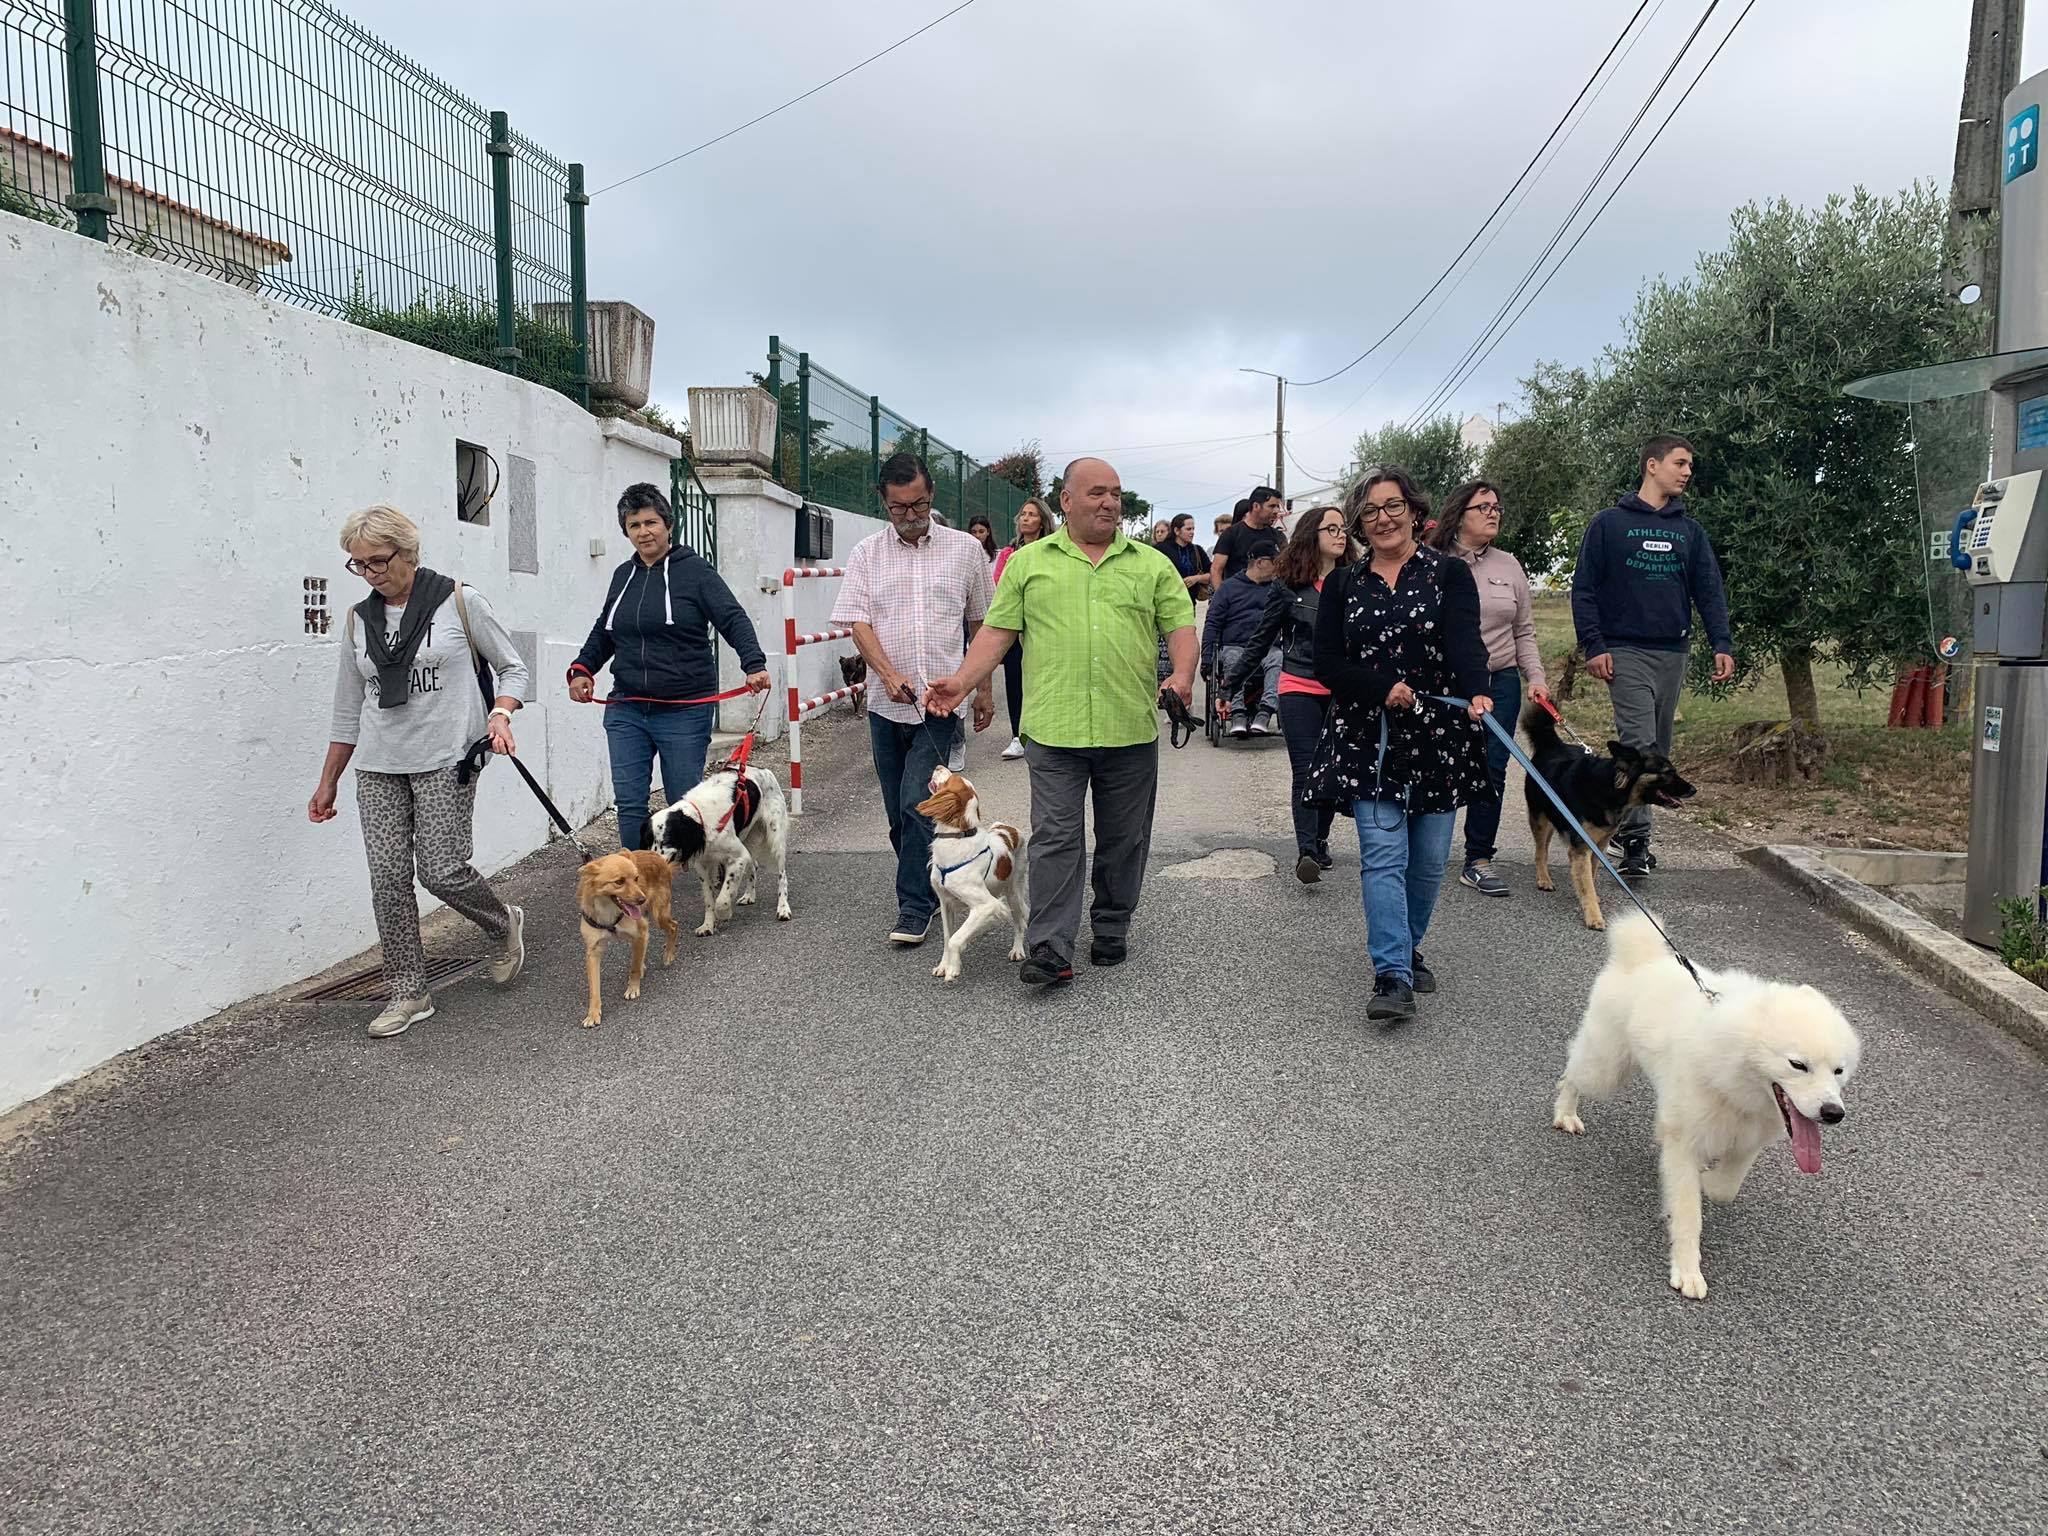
<point x="1125" y="783"/>
<point x="1230" y="657"/>
<point x="421" y="820"/>
<point x="1646" y="687"/>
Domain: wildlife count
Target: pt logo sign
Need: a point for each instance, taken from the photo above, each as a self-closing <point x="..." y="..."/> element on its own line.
<point x="2023" y="143"/>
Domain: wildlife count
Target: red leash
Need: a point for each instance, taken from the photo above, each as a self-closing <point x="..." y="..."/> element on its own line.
<point x="711" y="698"/>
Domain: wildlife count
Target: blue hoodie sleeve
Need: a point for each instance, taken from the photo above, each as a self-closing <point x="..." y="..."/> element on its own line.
<point x="1586" y="579"/>
<point x="1709" y="596"/>
<point x="731" y="619"/>
<point x="597" y="650"/>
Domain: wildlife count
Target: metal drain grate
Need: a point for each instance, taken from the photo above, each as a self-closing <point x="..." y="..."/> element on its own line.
<point x="368" y="986"/>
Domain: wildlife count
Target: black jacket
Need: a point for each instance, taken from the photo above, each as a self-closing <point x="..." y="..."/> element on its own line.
<point x="1358" y="668"/>
<point x="655" y="629"/>
<point x="1290" y="619"/>
<point x="1642" y="570"/>
<point x="1233" y="616"/>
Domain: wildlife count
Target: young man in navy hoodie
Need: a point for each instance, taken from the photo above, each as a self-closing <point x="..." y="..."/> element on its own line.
<point x="1644" y="565"/>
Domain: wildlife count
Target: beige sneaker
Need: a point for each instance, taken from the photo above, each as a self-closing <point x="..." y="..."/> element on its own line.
<point x="506" y="968"/>
<point x="400" y="1016"/>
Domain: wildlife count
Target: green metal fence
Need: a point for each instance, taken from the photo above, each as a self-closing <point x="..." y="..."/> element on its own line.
<point x="833" y="439"/>
<point x="278" y="146"/>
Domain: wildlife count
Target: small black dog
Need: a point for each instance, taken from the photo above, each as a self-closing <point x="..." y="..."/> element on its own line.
<point x="1599" y="790"/>
<point x="854" y="669"/>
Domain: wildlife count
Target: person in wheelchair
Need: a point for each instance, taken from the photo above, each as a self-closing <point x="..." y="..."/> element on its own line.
<point x="1235" y="613"/>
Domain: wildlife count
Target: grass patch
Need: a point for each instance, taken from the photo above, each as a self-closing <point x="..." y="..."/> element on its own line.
<point x="1879" y="786"/>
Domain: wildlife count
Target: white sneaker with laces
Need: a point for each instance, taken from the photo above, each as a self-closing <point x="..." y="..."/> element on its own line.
<point x="506" y="968"/>
<point x="956" y="760"/>
<point x="1015" y="749"/>
<point x="400" y="1015"/>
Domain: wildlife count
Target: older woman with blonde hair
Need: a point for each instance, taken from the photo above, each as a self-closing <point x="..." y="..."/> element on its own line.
<point x="409" y="705"/>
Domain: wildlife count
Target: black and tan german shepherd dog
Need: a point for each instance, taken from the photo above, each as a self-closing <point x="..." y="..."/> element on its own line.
<point x="1599" y="790"/>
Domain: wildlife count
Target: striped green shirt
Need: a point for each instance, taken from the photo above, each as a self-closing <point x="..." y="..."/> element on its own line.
<point x="1091" y="638"/>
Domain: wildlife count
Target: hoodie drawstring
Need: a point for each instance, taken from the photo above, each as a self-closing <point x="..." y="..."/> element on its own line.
<point x="624" y="587"/>
<point x="667" y="604"/>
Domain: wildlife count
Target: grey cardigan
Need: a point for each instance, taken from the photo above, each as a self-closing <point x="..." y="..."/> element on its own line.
<point x="443" y="712"/>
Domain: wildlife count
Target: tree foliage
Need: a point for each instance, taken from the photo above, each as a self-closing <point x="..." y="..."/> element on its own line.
<point x="1541" y="465"/>
<point x="1808" y="494"/>
<point x="1435" y="454"/>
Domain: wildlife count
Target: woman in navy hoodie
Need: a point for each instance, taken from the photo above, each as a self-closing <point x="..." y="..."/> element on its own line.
<point x="655" y="630"/>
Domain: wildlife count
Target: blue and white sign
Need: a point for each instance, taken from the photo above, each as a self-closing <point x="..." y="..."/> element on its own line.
<point x="2023" y="143"/>
<point x="2033" y="431"/>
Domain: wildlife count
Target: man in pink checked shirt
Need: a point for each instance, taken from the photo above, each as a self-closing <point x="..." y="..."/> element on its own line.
<point x="911" y="593"/>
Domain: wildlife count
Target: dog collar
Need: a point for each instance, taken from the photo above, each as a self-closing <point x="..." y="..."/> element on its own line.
<point x="626" y="910"/>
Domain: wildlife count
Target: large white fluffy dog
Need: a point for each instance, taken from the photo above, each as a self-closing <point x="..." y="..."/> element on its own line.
<point x="1761" y="1061"/>
<point x="722" y="829"/>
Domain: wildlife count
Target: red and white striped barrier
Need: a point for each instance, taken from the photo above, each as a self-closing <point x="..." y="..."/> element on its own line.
<point x="801" y="709"/>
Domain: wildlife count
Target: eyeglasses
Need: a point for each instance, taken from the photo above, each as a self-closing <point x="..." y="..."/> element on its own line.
<point x="910" y="509"/>
<point x="1387" y="511"/>
<point x="1331" y="528"/>
<point x="374" y="566"/>
<point x="1484" y="509"/>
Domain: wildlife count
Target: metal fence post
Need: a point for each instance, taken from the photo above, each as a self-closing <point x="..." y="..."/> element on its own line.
<point x="960" y="485"/>
<point x="775" y="389"/>
<point x="874" y="440"/>
<point x="579" y="285"/>
<point x="803" y="411"/>
<point x="88" y="199"/>
<point x="501" y="225"/>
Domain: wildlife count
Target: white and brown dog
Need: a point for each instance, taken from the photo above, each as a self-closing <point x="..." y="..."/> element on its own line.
<point x="722" y="830"/>
<point x="977" y="870"/>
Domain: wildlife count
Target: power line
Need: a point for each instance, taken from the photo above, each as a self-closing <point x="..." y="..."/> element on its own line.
<point x="1432" y="288"/>
<point x="807" y="95"/>
<point x="1497" y="340"/>
<point x="1449" y="293"/>
<point x="1445" y="387"/>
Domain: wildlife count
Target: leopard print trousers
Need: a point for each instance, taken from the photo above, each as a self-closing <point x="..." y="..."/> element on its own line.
<point x="423" y="820"/>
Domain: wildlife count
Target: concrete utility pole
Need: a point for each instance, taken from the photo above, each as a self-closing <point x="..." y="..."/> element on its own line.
<point x="1280" y="437"/>
<point x="1992" y="71"/>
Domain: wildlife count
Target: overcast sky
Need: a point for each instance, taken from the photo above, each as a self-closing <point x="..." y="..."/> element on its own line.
<point x="1073" y="220"/>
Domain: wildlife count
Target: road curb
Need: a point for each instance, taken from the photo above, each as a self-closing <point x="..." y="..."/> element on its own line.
<point x="2016" y="1006"/>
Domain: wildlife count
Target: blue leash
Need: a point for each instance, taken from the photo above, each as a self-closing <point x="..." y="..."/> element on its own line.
<point x="1507" y="739"/>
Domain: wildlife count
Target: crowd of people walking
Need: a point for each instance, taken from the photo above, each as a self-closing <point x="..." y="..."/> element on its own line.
<point x="1374" y="637"/>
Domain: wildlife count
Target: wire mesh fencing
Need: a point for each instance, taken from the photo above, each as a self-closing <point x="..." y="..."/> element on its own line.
<point x="833" y="439"/>
<point x="279" y="147"/>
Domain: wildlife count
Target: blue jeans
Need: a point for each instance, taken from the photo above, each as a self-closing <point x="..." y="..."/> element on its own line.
<point x="1482" y="817"/>
<point x="635" y="734"/>
<point x="905" y="756"/>
<point x="1401" y="859"/>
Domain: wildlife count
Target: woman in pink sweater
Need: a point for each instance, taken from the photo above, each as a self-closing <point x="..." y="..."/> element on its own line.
<point x="1034" y="521"/>
<point x="1467" y="528"/>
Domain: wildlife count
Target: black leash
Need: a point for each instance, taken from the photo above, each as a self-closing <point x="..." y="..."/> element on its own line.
<point x="1181" y="724"/>
<point x="473" y="764"/>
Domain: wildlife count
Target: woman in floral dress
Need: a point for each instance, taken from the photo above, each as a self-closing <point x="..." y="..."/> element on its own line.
<point x="1393" y="632"/>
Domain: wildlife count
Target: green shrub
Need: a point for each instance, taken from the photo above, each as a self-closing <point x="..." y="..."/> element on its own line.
<point x="466" y="327"/>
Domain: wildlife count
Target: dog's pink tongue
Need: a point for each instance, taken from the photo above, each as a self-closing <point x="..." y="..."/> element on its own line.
<point x="1805" y="1139"/>
<point x="634" y="912"/>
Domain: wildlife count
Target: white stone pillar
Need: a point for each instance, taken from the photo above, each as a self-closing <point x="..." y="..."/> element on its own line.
<point x="756" y="544"/>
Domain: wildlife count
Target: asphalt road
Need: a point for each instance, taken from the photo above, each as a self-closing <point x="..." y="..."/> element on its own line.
<point x="805" y="1241"/>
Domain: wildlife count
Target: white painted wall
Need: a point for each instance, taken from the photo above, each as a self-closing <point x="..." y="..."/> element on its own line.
<point x="179" y="457"/>
<point x="756" y="544"/>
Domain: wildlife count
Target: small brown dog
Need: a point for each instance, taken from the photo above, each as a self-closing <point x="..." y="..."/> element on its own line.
<point x="623" y="893"/>
<point x="855" y="670"/>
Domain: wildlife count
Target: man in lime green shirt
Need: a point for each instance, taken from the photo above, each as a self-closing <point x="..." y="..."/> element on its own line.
<point x="1090" y="605"/>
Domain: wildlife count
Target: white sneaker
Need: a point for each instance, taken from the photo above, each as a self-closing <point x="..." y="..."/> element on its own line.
<point x="506" y="968"/>
<point x="956" y="760"/>
<point x="400" y="1016"/>
<point x="1015" y="749"/>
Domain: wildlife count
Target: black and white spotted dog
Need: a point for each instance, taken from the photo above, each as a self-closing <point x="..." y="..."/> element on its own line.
<point x="723" y="830"/>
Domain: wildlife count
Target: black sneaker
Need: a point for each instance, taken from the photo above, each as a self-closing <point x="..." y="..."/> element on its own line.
<point x="1393" y="1001"/>
<point x="1044" y="968"/>
<point x="1321" y="854"/>
<point x="1425" y="978"/>
<point x="1308" y="869"/>
<point x="1108" y="951"/>
<point x="1635" y="859"/>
